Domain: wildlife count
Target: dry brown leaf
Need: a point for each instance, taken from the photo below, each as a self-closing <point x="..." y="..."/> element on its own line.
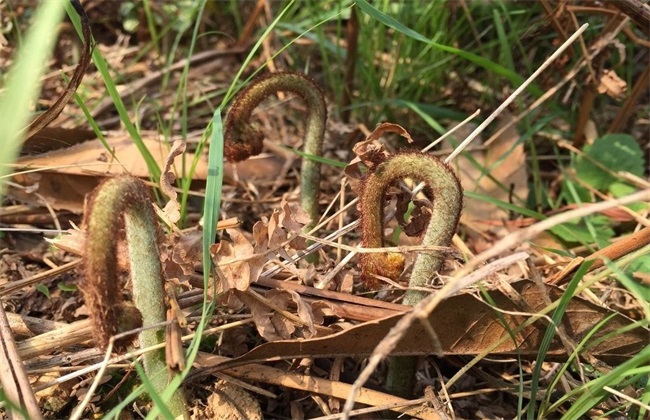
<point x="420" y="216"/>
<point x="254" y="169"/>
<point x="239" y="274"/>
<point x="270" y="325"/>
<point x="505" y="161"/>
<point x="233" y="342"/>
<point x="261" y="235"/>
<point x="230" y="402"/>
<point x="188" y="251"/>
<point x="66" y="175"/>
<point x="355" y="173"/>
<point x="267" y="236"/>
<point x="293" y="217"/>
<point x="72" y="241"/>
<point x="467" y="326"/>
<point x="180" y="253"/>
<point x="59" y="191"/>
<point x="370" y="153"/>
<point x="53" y="138"/>
<point x="612" y="85"/>
<point x="320" y="309"/>
<point x="277" y="236"/>
<point x="304" y="309"/>
<point x="172" y="209"/>
<point x="289" y="220"/>
<point x="91" y="157"/>
<point x="386" y="127"/>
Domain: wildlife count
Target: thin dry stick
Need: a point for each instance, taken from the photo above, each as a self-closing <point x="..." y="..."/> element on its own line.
<point x="375" y="409"/>
<point x="271" y="375"/>
<point x="13" y="286"/>
<point x="375" y="358"/>
<point x="516" y="93"/>
<point x="134" y="354"/>
<point x="626" y="397"/>
<point x="13" y="377"/>
<point x="91" y="391"/>
<point x="568" y="77"/>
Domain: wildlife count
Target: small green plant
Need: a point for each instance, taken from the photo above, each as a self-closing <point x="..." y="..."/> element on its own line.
<point x="125" y="202"/>
<point x="610" y="154"/>
<point x="447" y="205"/>
<point x="599" y="168"/>
<point x="242" y="140"/>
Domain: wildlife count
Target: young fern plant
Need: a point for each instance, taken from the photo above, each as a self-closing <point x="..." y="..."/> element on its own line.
<point x="125" y="202"/>
<point x="445" y="213"/>
<point x="242" y="140"/>
<point x="447" y="205"/>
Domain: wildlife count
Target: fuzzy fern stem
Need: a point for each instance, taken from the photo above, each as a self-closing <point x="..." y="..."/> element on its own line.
<point x="125" y="201"/>
<point x="447" y="205"/>
<point x="243" y="141"/>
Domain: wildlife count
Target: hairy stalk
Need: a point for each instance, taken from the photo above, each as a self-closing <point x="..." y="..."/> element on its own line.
<point x="125" y="202"/>
<point x="447" y="205"/>
<point x="242" y="140"/>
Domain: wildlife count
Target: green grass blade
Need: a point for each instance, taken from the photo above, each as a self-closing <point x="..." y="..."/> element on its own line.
<point x="593" y="392"/>
<point x="546" y="408"/>
<point x="514" y="78"/>
<point x="562" y="229"/>
<point x="506" y="48"/>
<point x="211" y="209"/>
<point x="271" y="27"/>
<point x="123" y="404"/>
<point x="635" y="288"/>
<point x="551" y="331"/>
<point x="96" y="129"/>
<point x="212" y="191"/>
<point x="513" y="336"/>
<point x="319" y="159"/>
<point x="159" y="404"/>
<point x="24" y="82"/>
<point x="432" y="111"/>
<point x="102" y="68"/>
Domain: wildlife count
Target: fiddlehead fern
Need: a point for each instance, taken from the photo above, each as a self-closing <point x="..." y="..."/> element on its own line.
<point x="242" y="140"/>
<point x="447" y="205"/>
<point x="125" y="202"/>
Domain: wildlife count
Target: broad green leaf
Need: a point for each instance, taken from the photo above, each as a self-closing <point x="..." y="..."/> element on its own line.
<point x="578" y="231"/>
<point x="43" y="289"/>
<point x="613" y="152"/>
<point x="65" y="287"/>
